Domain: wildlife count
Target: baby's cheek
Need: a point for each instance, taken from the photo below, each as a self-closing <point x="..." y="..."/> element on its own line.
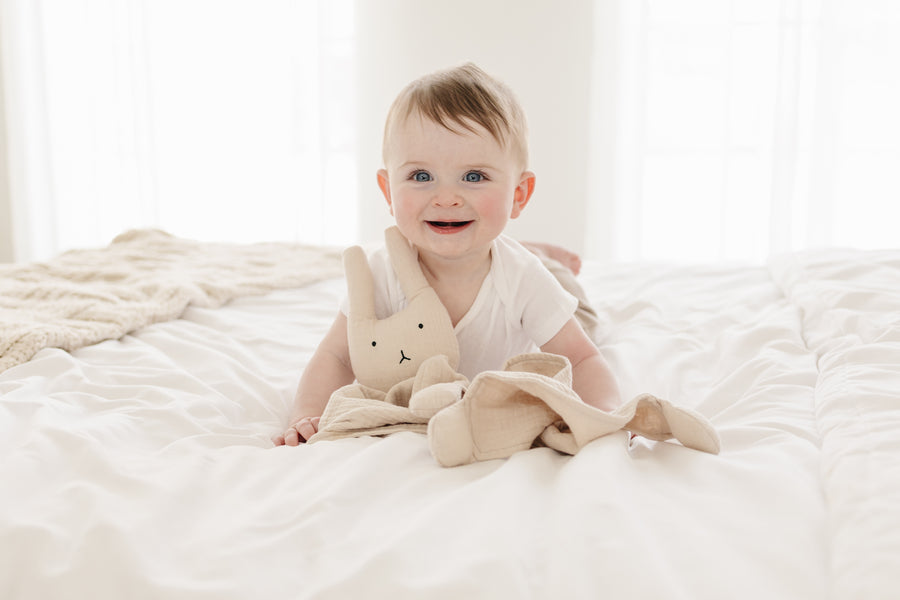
<point x="405" y="209"/>
<point x="497" y="209"/>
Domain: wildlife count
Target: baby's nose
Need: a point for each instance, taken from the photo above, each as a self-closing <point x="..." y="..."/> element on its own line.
<point x="447" y="197"/>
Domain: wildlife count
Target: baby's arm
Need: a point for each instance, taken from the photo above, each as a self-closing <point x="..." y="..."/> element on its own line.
<point x="592" y="378"/>
<point x="328" y="369"/>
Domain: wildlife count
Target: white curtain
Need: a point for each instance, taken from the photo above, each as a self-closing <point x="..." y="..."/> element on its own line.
<point x="719" y="129"/>
<point x="750" y="127"/>
<point x="207" y="118"/>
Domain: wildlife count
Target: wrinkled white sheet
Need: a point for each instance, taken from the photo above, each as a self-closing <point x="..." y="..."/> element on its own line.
<point x="142" y="467"/>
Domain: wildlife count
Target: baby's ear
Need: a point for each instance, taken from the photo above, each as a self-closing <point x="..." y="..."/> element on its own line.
<point x="522" y="194"/>
<point x="385" y="184"/>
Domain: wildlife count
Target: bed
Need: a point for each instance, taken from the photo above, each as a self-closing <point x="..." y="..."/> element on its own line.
<point x="138" y="463"/>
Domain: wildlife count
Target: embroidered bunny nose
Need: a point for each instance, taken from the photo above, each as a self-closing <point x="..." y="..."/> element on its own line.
<point x="403" y="357"/>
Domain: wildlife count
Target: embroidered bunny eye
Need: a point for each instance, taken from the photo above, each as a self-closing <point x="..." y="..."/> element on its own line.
<point x="373" y="343"/>
<point x="421" y="326"/>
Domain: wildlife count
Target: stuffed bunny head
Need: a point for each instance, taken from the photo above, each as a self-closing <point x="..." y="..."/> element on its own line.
<point x="387" y="351"/>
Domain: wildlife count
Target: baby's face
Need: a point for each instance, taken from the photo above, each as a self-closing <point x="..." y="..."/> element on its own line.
<point x="450" y="193"/>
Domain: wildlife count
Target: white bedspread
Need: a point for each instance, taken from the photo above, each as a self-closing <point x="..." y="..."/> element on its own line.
<point x="142" y="467"/>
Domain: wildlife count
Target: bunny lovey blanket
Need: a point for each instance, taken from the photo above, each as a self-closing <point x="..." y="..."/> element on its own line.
<point x="407" y="381"/>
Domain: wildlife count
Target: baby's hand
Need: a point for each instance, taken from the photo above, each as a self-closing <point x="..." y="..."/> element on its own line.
<point x="299" y="431"/>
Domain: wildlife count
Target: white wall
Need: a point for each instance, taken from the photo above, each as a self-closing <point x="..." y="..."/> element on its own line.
<point x="542" y="50"/>
<point x="6" y="228"/>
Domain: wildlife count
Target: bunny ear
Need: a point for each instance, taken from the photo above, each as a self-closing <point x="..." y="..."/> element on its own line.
<point x="360" y="284"/>
<point x="406" y="263"/>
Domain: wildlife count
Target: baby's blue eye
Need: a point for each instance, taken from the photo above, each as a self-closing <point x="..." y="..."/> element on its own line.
<point x="473" y="177"/>
<point x="421" y="176"/>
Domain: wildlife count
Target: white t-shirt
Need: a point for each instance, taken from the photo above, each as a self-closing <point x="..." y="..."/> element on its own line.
<point x="519" y="307"/>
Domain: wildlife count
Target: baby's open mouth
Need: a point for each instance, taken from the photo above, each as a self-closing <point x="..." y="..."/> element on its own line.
<point x="448" y="225"/>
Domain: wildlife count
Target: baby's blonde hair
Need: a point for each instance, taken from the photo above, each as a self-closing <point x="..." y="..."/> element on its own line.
<point x="461" y="96"/>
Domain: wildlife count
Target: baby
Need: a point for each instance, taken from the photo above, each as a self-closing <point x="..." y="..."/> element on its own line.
<point x="455" y="156"/>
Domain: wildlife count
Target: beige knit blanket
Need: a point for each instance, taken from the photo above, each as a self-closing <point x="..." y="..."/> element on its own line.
<point x="144" y="276"/>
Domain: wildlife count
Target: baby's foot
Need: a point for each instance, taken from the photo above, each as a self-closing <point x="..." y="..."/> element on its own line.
<point x="566" y="258"/>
